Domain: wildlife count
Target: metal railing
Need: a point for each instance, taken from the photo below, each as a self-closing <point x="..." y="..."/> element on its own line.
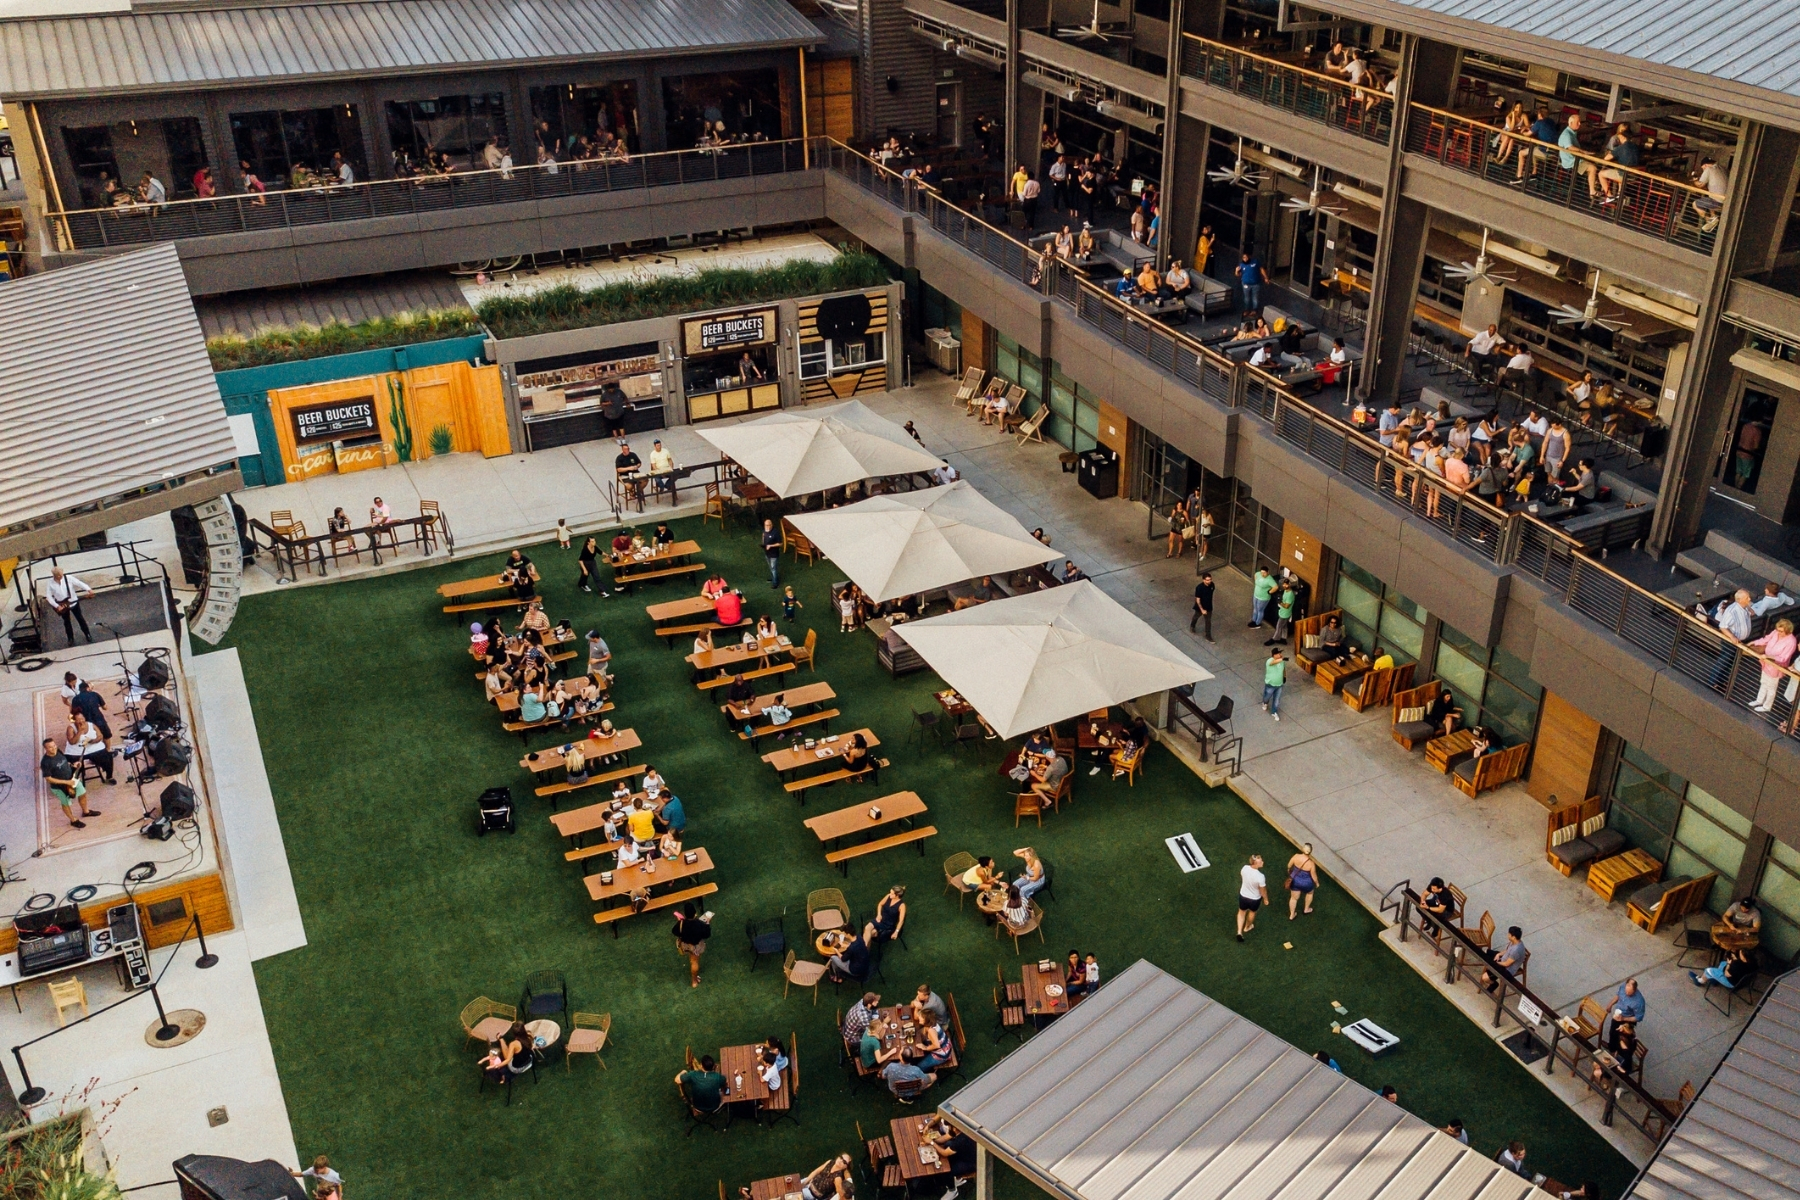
<point x="89" y="229"/>
<point x="1623" y="1094"/>
<point x="316" y="552"/>
<point x="1310" y="95"/>
<point x="1653" y="205"/>
<point x="1520" y="540"/>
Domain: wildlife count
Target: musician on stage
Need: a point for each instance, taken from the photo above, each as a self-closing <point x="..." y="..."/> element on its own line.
<point x="65" y="593"/>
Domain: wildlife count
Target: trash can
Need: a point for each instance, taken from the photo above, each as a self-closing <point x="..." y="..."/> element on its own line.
<point x="1098" y="473"/>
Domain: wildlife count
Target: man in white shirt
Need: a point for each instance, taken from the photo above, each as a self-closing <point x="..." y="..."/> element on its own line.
<point x="151" y="190"/>
<point x="1356" y="69"/>
<point x="1261" y="356"/>
<point x="1480" y="350"/>
<point x="1535" y="423"/>
<point x="1518" y="368"/>
<point x="345" y="175"/>
<point x="1713" y="178"/>
<point x="662" y="466"/>
<point x="1733" y="617"/>
<point x="65" y="593"/>
<point x="1253" y="893"/>
<point x="1773" y="597"/>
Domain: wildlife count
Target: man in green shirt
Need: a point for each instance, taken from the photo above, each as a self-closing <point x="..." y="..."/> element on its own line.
<point x="1274" y="676"/>
<point x="1261" y="588"/>
<point x="705" y="1087"/>
<point x="869" y="1049"/>
<point x="1284" y="616"/>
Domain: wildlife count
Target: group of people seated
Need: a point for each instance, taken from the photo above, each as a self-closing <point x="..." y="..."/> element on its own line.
<point x="1530" y="461"/>
<point x="1015" y="910"/>
<point x="87" y="740"/>
<point x="646" y="825"/>
<point x="855" y="961"/>
<point x="906" y="1066"/>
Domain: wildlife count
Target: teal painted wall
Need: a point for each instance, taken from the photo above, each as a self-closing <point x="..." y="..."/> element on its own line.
<point x="247" y="391"/>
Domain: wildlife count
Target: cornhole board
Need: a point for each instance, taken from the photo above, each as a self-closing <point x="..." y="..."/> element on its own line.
<point x="1188" y="855"/>
<point x="1370" y="1036"/>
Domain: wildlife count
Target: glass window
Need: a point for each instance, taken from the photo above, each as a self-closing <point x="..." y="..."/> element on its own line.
<point x="1359" y="604"/>
<point x="278" y="144"/>
<point x="460" y="132"/>
<point x="1505" y="706"/>
<point x="582" y="120"/>
<point x="865" y="351"/>
<point x="1779" y="896"/>
<point x="1673" y="820"/>
<point x="1460" y="672"/>
<point x="1350" y="570"/>
<point x="740" y="106"/>
<point x="813" y="361"/>
<point x="170" y="150"/>
<point x="1403" y="637"/>
<point x="1513" y="669"/>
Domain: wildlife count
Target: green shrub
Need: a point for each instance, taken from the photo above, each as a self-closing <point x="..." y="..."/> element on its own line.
<point x="569" y="307"/>
<point x="233" y="351"/>
<point x="441" y="440"/>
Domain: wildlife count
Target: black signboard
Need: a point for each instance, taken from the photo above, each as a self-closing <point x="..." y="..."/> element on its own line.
<point x="728" y="331"/>
<point x="339" y="419"/>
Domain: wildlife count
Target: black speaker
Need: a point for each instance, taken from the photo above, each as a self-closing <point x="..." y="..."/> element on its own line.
<point x="162" y="712"/>
<point x="172" y="756"/>
<point x="178" y="801"/>
<point x="153" y="673"/>
<point x="844" y="319"/>
<point x="190" y="543"/>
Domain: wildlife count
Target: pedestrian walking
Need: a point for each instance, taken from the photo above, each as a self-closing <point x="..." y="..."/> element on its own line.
<point x="1302" y="880"/>
<point x="1253" y="893"/>
<point x="589" y="564"/>
<point x="1203" y="604"/>
<point x="1261" y="588"/>
<point x="1274" y="678"/>
<point x="1284" y="616"/>
<point x="692" y="929"/>
<point x="771" y="538"/>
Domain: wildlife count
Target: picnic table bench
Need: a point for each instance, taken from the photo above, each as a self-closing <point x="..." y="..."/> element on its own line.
<point x="486" y="605"/>
<point x="623" y="741"/>
<point x="678" y="610"/>
<point x="554" y="790"/>
<point x="612" y="916"/>
<point x="841" y="858"/>
<point x="795" y="699"/>
<point x="626" y="880"/>
<point x="724" y="680"/>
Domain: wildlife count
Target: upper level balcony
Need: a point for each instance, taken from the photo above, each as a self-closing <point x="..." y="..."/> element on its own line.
<point x="1289" y="82"/>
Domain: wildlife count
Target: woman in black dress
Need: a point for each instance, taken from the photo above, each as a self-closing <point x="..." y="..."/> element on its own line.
<point x="590" y="552"/>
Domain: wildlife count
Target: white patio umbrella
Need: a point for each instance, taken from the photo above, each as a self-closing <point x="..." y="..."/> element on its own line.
<point x="910" y="542"/>
<point x="809" y="450"/>
<point x="1042" y="657"/>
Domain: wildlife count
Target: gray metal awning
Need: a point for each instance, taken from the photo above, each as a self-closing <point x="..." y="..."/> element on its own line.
<point x="1740" y="1137"/>
<point x="188" y="49"/>
<point x="1149" y="1090"/>
<point x="107" y="388"/>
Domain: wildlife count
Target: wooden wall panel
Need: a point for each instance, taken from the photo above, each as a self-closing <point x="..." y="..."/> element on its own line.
<point x="1565" y="759"/>
<point x="977" y="342"/>
<point x="1300" y="553"/>
<point x="203" y="894"/>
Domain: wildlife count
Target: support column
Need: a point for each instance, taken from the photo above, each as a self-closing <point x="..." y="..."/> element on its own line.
<point x="1169" y="237"/>
<point x="984" y="1173"/>
<point x="1013" y="118"/>
<point x="1427" y="74"/>
<point x="1762" y="181"/>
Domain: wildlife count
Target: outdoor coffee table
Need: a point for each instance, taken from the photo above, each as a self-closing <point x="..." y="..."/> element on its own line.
<point x="1728" y="937"/>
<point x="544" y="1033"/>
<point x="779" y="1188"/>
<point x="1442" y="753"/>
<point x="1332" y="675"/>
<point x="1608" y="875"/>
<point x="990" y="902"/>
<point x="833" y="942"/>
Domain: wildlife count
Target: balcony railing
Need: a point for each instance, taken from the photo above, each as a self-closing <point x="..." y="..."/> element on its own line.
<point x="1651" y="623"/>
<point x="1653" y="205"/>
<point x="136" y="224"/>
<point x="1312" y="96"/>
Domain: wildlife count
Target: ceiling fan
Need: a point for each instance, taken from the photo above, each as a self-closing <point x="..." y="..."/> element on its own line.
<point x="1481" y="268"/>
<point x="1092" y="31"/>
<point x="1237" y="172"/>
<point x="1589" y="316"/>
<point x="1313" y="203"/>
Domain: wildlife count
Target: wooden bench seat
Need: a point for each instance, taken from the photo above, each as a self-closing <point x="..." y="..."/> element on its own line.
<point x="671" y="632"/>
<point x="841" y="858"/>
<point x="523" y="729"/>
<point x="561" y="657"/>
<point x="798" y="788"/>
<point x="612" y="916"/>
<point x="724" y="680"/>
<point x="484" y="605"/>
<point x="558" y="789"/>
<point x="623" y="580"/>
<point x="762" y="731"/>
<point x="583" y="853"/>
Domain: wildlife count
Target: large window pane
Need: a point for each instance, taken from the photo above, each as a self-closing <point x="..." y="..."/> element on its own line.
<point x="1684" y="863"/>
<point x="1779" y="896"/>
<point x="1415" y="611"/>
<point x="1471" y="649"/>
<point x="1653" y="803"/>
<point x="1654" y="770"/>
<point x="1404" y="638"/>
<point x="1455" y="668"/>
<point x="1639" y="832"/>
<point x="737" y="105"/>
<point x="1719" y="811"/>
<point x="1349" y="570"/>
<point x="1515" y="669"/>
<point x="1506" y="706"/>
<point x="1359" y="604"/>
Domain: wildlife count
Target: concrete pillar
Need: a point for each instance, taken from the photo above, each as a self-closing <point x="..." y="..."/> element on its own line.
<point x="984" y="1173"/>
<point x="1014" y="119"/>
<point x="1169" y="244"/>
<point x="1762" y="181"/>
<point x="1427" y="74"/>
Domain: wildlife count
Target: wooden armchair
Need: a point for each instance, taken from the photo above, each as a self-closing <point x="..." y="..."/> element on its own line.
<point x="1480" y="935"/>
<point x="1477" y="775"/>
<point x="1674" y="903"/>
<point x="1460" y="903"/>
<point x="1410" y="728"/>
<point x="1590" y="1018"/>
<point x="1310" y="627"/>
<point x="799" y="543"/>
<point x="1377" y="687"/>
<point x="1028" y="804"/>
<point x="955" y="867"/>
<point x="1668" y="1111"/>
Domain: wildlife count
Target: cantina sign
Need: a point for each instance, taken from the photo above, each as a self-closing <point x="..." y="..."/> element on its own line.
<point x="341" y="418"/>
<point x="728" y="331"/>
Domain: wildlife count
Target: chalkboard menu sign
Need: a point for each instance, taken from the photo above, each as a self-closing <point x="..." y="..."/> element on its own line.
<point x="728" y="331"/>
<point x="339" y="419"/>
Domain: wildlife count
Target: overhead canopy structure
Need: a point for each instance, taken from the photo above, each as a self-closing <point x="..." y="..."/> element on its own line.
<point x="1741" y="1134"/>
<point x="1149" y="1090"/>
<point x="109" y="409"/>
<point x="1031" y="660"/>
<point x="911" y="542"/>
<point x="810" y="450"/>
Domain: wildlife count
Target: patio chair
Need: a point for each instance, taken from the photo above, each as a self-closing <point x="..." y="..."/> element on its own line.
<point x="1014" y="992"/>
<point x="1028" y="804"/>
<point x="907" y="1091"/>
<point x="780" y="1103"/>
<point x="484" y="1020"/>
<point x="1048" y="891"/>
<point x="714" y="507"/>
<point x="767" y="935"/>
<point x="281" y="520"/>
<point x="970" y="386"/>
<point x="954" y="868"/>
<point x="826" y="909"/>
<point x="1031" y="428"/>
<point x="1668" y="1111"/>
<point x="798" y="973"/>
<point x="696" y="1117"/>
<point x="958" y="1040"/>
<point x="1009" y="1019"/>
<point x="800" y="544"/>
<point x="1590" y="1018"/>
<point x="1034" y="923"/>
<point x="807" y="651"/>
<point x="545" y="992"/>
<point x="1696" y="941"/>
<point x="1129" y="763"/>
<point x="923" y="722"/>
<point x="587" y="1036"/>
<point x="970" y="731"/>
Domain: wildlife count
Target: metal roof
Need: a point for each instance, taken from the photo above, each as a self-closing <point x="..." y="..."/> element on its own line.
<point x="226" y="46"/>
<point x="1741" y="1135"/>
<point x="107" y="386"/>
<point x="1149" y="1090"/>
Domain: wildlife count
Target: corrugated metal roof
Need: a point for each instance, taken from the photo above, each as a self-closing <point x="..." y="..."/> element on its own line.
<point x="1149" y="1090"/>
<point x="1752" y="48"/>
<point x="1741" y="1135"/>
<point x="346" y="300"/>
<point x="217" y="47"/>
<point x="107" y="386"/>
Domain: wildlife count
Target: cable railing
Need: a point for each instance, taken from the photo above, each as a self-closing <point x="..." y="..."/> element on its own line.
<point x="316" y="552"/>
<point x="1310" y="95"/>
<point x="1649" y="622"/>
<point x="135" y="224"/>
<point x="1627" y="197"/>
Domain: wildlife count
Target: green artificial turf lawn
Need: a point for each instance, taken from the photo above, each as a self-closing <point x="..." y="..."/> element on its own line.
<point x="377" y="742"/>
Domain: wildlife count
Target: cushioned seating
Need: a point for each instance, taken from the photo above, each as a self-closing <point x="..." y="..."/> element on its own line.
<point x="1651" y="894"/>
<point x="1577" y="852"/>
<point x="1318" y="655"/>
<point x="1466" y="768"/>
<point x="1606" y="842"/>
<point x="1417" y="732"/>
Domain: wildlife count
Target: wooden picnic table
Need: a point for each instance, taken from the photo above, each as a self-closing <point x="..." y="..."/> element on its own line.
<point x="778" y="1188"/>
<point x="578" y="821"/>
<point x="652" y="555"/>
<point x="471" y="587"/>
<point x="676" y="610"/>
<point x="1333" y="674"/>
<point x="728" y="657"/>
<point x="794" y="698"/>
<point x="626" y="880"/>
<point x="734" y="1060"/>
<point x="1038" y="1000"/>
<point x="1608" y="875"/>
<point x="951" y="701"/>
<point x="623" y="741"/>
<point x="909" y="1134"/>
<point x="794" y="757"/>
<point x="846" y="822"/>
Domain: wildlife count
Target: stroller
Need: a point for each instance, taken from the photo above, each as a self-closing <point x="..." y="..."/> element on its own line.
<point x="494" y="812"/>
